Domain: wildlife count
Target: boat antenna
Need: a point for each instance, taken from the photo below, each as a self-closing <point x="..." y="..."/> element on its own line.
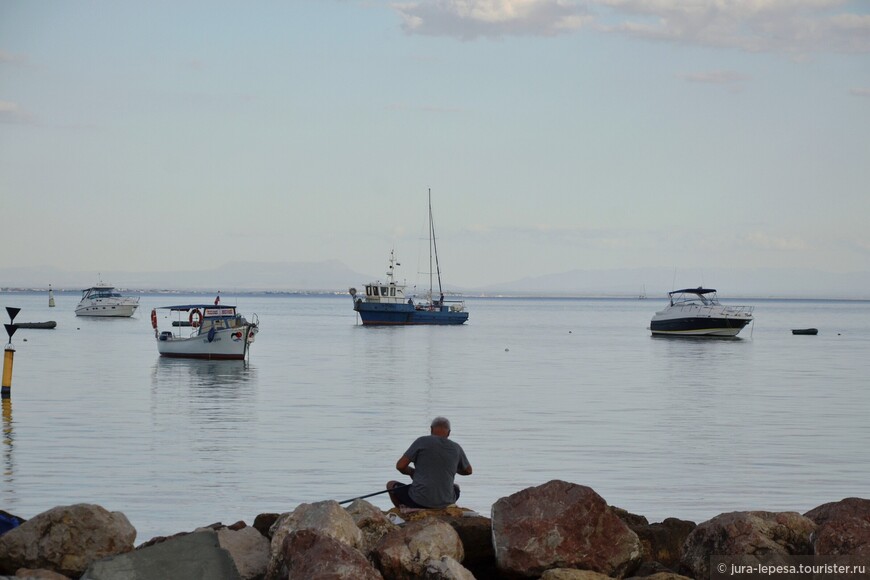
<point x="434" y="246"/>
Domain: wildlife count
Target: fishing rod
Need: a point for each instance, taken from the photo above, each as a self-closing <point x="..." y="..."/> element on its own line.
<point x="375" y="493"/>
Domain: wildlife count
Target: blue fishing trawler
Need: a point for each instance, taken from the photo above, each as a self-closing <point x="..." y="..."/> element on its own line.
<point x="386" y="303"/>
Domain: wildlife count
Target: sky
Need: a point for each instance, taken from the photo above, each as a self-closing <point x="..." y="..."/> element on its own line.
<point x="555" y="135"/>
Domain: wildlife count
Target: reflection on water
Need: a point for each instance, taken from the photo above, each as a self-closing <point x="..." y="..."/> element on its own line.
<point x="8" y="444"/>
<point x="203" y="391"/>
<point x="202" y="373"/>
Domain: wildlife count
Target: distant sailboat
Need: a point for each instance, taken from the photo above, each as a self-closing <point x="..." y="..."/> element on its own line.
<point x="642" y="295"/>
<point x="386" y="303"/>
<point x="50" y="297"/>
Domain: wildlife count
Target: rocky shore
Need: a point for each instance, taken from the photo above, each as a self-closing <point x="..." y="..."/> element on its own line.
<point x="555" y="531"/>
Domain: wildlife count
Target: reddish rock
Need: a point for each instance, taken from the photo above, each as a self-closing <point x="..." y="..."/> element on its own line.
<point x="312" y="555"/>
<point x="663" y="542"/>
<point x="843" y="527"/>
<point x="561" y="525"/>
<point x="263" y="523"/>
<point x="755" y="533"/>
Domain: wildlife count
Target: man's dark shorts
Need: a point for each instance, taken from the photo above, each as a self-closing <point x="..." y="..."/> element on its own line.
<point x="404" y="498"/>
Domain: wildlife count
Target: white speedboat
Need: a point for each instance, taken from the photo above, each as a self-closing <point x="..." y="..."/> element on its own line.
<point x="203" y="331"/>
<point x="697" y="312"/>
<point x="104" y="300"/>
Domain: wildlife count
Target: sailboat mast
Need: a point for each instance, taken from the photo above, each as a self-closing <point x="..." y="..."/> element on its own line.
<point x="433" y="246"/>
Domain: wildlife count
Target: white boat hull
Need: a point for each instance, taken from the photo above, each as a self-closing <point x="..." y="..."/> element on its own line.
<point x="107" y="309"/>
<point x="226" y="344"/>
<point x="700" y="332"/>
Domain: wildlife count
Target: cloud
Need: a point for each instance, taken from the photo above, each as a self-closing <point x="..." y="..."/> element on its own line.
<point x="792" y="26"/>
<point x="424" y="108"/>
<point x="860" y="92"/>
<point x="11" y="113"/>
<point x="8" y="57"/>
<point x="764" y="241"/>
<point x="716" y="77"/>
<point x="470" y="19"/>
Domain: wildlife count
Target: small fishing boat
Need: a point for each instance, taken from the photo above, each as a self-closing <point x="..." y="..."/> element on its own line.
<point x="203" y="331"/>
<point x="386" y="303"/>
<point x="49" y="324"/>
<point x="697" y="312"/>
<point x="808" y="331"/>
<point x="104" y="300"/>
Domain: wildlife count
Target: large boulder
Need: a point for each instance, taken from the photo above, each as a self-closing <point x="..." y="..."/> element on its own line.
<point x="474" y="530"/>
<point x="561" y="525"/>
<point x="249" y="550"/>
<point x="407" y="551"/>
<point x="66" y="539"/>
<point x="843" y="528"/>
<point x="446" y="569"/>
<point x="756" y="533"/>
<point x="326" y="517"/>
<point x="663" y="542"/>
<point x="194" y="556"/>
<point x="312" y="555"/>
<point x="37" y="575"/>
<point x="372" y="522"/>
<point x="263" y="523"/>
<point x="572" y="574"/>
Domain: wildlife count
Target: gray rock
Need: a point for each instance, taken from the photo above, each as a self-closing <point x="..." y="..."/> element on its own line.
<point x="39" y="574"/>
<point x="249" y="550"/>
<point x="446" y="568"/>
<point x="372" y="522"/>
<point x="405" y="552"/>
<point x="195" y="556"/>
<point x="66" y="539"/>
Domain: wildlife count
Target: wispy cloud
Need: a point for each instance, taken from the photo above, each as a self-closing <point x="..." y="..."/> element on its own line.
<point x="860" y="92"/>
<point x="424" y="108"/>
<point x="794" y="26"/>
<point x="12" y="113"/>
<point x="763" y="241"/>
<point x="470" y="19"/>
<point x="715" y="77"/>
<point x="9" y="57"/>
<point x="791" y="26"/>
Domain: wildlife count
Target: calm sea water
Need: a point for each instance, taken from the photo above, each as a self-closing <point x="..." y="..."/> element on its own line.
<point x="537" y="389"/>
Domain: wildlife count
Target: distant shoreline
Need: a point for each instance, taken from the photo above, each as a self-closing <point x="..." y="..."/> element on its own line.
<point x="505" y="295"/>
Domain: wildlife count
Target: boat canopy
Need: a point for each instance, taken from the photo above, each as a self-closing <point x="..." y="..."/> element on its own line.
<point x="188" y="307"/>
<point x="699" y="291"/>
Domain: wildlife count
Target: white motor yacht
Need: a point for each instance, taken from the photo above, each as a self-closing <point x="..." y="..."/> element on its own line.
<point x="104" y="300"/>
<point x="697" y="312"/>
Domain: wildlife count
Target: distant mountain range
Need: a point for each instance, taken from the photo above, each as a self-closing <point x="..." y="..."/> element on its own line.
<point x="334" y="276"/>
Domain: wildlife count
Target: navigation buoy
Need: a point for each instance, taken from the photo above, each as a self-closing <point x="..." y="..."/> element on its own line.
<point x="8" y="359"/>
<point x="50" y="297"/>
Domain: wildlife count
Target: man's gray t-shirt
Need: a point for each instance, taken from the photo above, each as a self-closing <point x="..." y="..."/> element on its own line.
<point x="436" y="461"/>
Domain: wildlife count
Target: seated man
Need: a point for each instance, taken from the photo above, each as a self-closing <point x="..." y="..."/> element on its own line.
<point x="436" y="461"/>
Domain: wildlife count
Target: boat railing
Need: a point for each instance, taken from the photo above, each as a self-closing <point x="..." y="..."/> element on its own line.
<point x="739" y="310"/>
